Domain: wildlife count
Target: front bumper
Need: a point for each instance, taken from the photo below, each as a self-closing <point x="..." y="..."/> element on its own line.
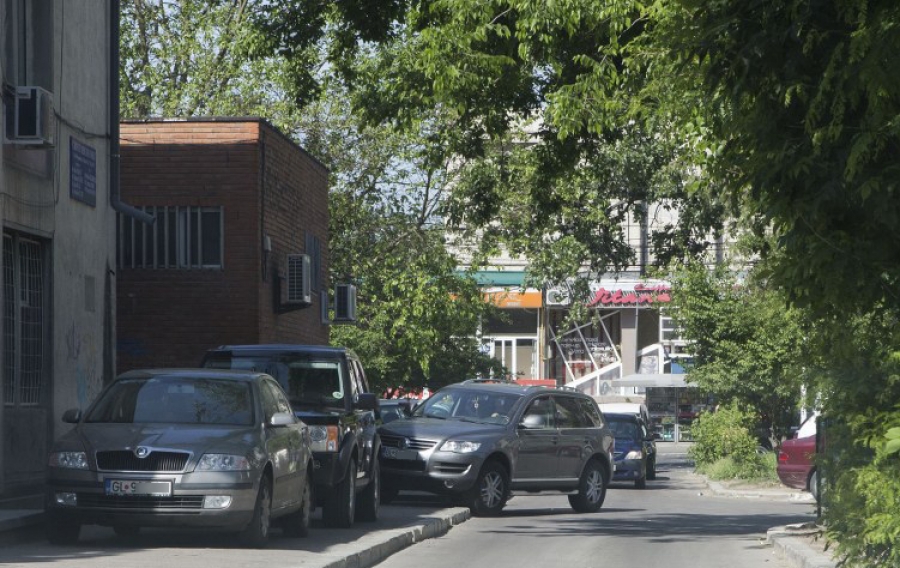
<point x="430" y="470"/>
<point x="81" y="497"/>
<point x="327" y="469"/>
<point x="628" y="470"/>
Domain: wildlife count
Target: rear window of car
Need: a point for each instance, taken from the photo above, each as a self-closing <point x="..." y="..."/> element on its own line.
<point x="174" y="400"/>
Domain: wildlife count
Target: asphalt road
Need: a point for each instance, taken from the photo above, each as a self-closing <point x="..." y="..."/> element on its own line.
<point x="673" y="523"/>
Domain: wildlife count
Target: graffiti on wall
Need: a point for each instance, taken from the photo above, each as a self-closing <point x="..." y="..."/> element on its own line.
<point x="84" y="354"/>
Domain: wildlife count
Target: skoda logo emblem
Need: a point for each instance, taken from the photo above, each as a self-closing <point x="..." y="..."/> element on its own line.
<point x="404" y="443"/>
<point x="142" y="452"/>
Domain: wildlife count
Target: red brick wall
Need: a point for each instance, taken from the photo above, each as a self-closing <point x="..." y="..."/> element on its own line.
<point x="169" y="317"/>
<point x="294" y="201"/>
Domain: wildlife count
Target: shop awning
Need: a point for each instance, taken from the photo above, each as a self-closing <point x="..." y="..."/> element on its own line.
<point x="508" y="278"/>
<point x="652" y="380"/>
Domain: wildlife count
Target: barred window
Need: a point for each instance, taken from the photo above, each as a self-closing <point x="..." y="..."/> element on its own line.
<point x="181" y="237"/>
<point x="23" y="320"/>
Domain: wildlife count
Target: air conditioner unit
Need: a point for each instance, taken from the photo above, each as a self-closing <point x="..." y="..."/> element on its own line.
<point x="344" y="303"/>
<point x="299" y="289"/>
<point x="558" y="296"/>
<point x="29" y="119"/>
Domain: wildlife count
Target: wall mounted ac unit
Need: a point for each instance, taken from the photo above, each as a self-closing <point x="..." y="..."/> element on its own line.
<point x="299" y="289"/>
<point x="344" y="303"/>
<point x="29" y="119"/>
<point x="559" y="296"/>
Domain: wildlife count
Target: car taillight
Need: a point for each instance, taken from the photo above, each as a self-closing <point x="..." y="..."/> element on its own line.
<point x="782" y="457"/>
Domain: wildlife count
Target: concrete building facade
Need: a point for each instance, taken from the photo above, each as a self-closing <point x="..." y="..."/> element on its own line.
<point x="57" y="213"/>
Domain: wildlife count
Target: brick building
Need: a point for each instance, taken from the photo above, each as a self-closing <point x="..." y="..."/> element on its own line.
<point x="237" y="205"/>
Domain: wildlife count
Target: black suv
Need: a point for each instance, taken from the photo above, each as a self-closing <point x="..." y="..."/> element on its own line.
<point x="327" y="389"/>
<point x="480" y="440"/>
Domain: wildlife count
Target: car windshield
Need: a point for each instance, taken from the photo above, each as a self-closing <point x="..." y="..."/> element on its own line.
<point x="623" y="428"/>
<point x="469" y="405"/>
<point x="305" y="380"/>
<point x="175" y="400"/>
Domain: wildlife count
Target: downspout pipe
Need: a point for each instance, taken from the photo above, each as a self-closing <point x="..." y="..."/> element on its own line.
<point x="114" y="109"/>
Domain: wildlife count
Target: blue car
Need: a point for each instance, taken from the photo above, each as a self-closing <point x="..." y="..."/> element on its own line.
<point x="631" y="456"/>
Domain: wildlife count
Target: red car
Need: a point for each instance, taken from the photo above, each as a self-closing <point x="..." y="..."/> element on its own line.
<point x="797" y="459"/>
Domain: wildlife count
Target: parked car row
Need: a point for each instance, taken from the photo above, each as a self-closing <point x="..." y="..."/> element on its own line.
<point x="261" y="435"/>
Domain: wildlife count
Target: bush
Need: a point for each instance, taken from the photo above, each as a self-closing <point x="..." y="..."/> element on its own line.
<point x="725" y="433"/>
<point x="760" y="468"/>
<point x="863" y="490"/>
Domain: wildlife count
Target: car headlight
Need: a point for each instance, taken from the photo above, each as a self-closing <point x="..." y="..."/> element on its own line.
<point x="460" y="446"/>
<point x="71" y="460"/>
<point x="222" y="462"/>
<point x="325" y="438"/>
<point x="634" y="455"/>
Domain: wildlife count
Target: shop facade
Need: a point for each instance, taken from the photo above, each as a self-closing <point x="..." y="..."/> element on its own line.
<point x="626" y="332"/>
<point x="627" y="349"/>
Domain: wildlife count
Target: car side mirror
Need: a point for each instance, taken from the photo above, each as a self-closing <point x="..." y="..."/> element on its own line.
<point x="532" y="422"/>
<point x="282" y="419"/>
<point x="366" y="401"/>
<point x="72" y="416"/>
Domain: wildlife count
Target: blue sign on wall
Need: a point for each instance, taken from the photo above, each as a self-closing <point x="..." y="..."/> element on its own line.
<point x="82" y="172"/>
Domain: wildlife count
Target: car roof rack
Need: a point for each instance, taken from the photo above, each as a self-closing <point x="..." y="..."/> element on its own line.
<point x="488" y="381"/>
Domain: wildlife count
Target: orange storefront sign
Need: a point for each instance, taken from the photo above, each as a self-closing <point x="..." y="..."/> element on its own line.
<point x="515" y="299"/>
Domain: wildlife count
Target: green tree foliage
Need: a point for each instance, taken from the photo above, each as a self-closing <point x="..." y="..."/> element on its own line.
<point x="418" y="316"/>
<point x="858" y="368"/>
<point x="748" y="347"/>
<point x="787" y="110"/>
<point x="201" y="58"/>
<point x="806" y="99"/>
<point x="554" y="153"/>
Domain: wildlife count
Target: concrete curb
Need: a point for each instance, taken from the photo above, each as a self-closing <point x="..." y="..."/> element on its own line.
<point x="12" y="519"/>
<point x="777" y="494"/>
<point x="382" y="544"/>
<point x="794" y="550"/>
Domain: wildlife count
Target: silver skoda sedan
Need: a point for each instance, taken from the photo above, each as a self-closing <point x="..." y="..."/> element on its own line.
<point x="182" y="447"/>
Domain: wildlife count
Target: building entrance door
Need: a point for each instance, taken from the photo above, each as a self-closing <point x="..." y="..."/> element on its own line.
<point x="518" y="354"/>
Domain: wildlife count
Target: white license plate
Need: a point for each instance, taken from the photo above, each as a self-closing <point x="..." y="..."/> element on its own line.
<point x="125" y="487"/>
<point x="398" y="454"/>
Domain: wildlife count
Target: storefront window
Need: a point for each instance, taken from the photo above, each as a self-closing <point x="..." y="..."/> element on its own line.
<point x="581" y="349"/>
<point x="674" y="409"/>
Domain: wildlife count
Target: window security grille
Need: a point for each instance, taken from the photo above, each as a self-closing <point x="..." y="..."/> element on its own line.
<point x="181" y="237"/>
<point x="23" y="321"/>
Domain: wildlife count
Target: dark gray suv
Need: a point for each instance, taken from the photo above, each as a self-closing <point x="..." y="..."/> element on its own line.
<point x="328" y="390"/>
<point x="480" y="440"/>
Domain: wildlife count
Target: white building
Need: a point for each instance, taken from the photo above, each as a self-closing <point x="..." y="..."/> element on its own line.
<point x="58" y="203"/>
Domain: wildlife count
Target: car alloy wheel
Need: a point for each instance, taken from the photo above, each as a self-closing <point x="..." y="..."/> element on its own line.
<point x="257" y="532"/>
<point x="490" y="490"/>
<point x="591" y="489"/>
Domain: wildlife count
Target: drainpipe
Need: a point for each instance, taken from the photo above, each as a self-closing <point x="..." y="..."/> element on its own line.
<point x="114" y="158"/>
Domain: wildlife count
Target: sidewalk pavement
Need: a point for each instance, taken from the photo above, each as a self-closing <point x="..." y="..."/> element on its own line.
<point x="398" y="531"/>
<point x="796" y="545"/>
<point x="793" y="544"/>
